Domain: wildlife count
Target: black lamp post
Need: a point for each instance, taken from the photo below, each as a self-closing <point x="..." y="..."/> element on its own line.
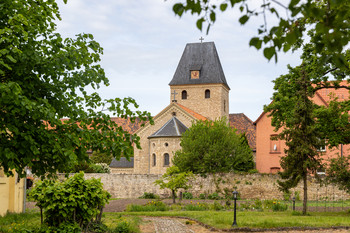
<point x="235" y="194"/>
<point x="293" y="203"/>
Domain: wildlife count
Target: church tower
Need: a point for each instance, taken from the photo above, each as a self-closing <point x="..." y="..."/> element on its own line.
<point x="199" y="82"/>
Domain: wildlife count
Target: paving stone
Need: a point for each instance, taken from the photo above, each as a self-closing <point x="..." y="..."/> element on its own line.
<point x="168" y="225"/>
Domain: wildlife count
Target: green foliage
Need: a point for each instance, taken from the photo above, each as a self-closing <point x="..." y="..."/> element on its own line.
<point x="217" y="206"/>
<point x="287" y="24"/>
<point x="213" y="147"/>
<point x="98" y="157"/>
<point x="302" y="124"/>
<point x="150" y="206"/>
<point x="196" y="207"/>
<point x="278" y="206"/>
<point x="173" y="179"/>
<point x="91" y="168"/>
<point x="72" y="201"/>
<point x="122" y="227"/>
<point x="149" y="196"/>
<point x="286" y="196"/>
<point x="43" y="78"/>
<point x="187" y="195"/>
<point x="201" y="196"/>
<point x="338" y="172"/>
<point x="214" y="196"/>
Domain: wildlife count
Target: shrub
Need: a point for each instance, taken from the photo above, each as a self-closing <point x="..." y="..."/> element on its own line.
<point x="217" y="206"/>
<point x="202" y="196"/>
<point x="72" y="201"/>
<point x="149" y="196"/>
<point x="278" y="206"/>
<point x="214" y="196"/>
<point x="187" y="195"/>
<point x="100" y="168"/>
<point x="258" y="205"/>
<point x="196" y="206"/>
<point x="286" y="196"/>
<point x="122" y="227"/>
<point x="150" y="206"/>
<point x="98" y="157"/>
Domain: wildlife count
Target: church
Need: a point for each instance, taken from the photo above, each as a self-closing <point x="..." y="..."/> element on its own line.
<point x="198" y="91"/>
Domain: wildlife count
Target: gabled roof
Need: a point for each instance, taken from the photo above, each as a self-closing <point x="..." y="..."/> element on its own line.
<point x="122" y="163"/>
<point x="193" y="113"/>
<point x="173" y="128"/>
<point x="202" y="57"/>
<point x="326" y="95"/>
<point x="244" y="125"/>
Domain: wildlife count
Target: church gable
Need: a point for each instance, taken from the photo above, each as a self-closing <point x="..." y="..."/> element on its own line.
<point x="173" y="128"/>
<point x="156" y="153"/>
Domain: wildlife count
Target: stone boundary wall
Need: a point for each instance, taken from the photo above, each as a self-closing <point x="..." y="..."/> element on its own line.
<point x="250" y="186"/>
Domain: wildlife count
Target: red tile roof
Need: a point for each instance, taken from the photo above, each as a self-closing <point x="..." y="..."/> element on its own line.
<point x="327" y="93"/>
<point x="127" y="125"/>
<point x="244" y="125"/>
<point x="193" y="113"/>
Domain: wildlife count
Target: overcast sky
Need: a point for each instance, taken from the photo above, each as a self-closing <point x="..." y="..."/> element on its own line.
<point x="143" y="42"/>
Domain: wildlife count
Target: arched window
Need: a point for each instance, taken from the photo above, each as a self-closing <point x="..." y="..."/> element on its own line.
<point x="166" y="159"/>
<point x="184" y="95"/>
<point x="207" y="94"/>
<point x="154" y="160"/>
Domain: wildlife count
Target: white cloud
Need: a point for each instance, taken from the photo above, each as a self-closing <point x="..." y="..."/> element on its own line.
<point x="143" y="42"/>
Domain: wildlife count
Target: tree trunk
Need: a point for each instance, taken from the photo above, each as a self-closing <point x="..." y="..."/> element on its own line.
<point x="173" y="194"/>
<point x="305" y="194"/>
<point x="41" y="215"/>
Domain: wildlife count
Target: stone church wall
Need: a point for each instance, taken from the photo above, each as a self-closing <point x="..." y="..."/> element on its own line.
<point x="252" y="186"/>
<point x="212" y="107"/>
<point x="142" y="157"/>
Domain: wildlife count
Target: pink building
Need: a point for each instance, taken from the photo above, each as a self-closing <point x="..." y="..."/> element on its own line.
<point x="269" y="152"/>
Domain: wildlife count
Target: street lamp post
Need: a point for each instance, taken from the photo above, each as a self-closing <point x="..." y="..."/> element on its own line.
<point x="235" y="194"/>
<point x="293" y="203"/>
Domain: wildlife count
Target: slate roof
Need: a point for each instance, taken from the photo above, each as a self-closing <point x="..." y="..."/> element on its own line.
<point x="173" y="128"/>
<point x="243" y="124"/>
<point x="202" y="57"/>
<point x="122" y="163"/>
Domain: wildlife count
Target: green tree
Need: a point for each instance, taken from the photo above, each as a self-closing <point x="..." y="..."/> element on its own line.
<point x="174" y="180"/>
<point x="210" y="147"/>
<point x="299" y="130"/>
<point x="338" y="172"/>
<point x="43" y="79"/>
<point x="290" y="23"/>
<point x="304" y="126"/>
<point x="98" y="157"/>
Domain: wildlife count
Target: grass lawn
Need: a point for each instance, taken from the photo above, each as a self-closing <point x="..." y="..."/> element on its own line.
<point x="217" y="219"/>
<point x="224" y="219"/>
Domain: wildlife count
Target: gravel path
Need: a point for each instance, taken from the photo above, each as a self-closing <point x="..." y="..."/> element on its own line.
<point x="168" y="225"/>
